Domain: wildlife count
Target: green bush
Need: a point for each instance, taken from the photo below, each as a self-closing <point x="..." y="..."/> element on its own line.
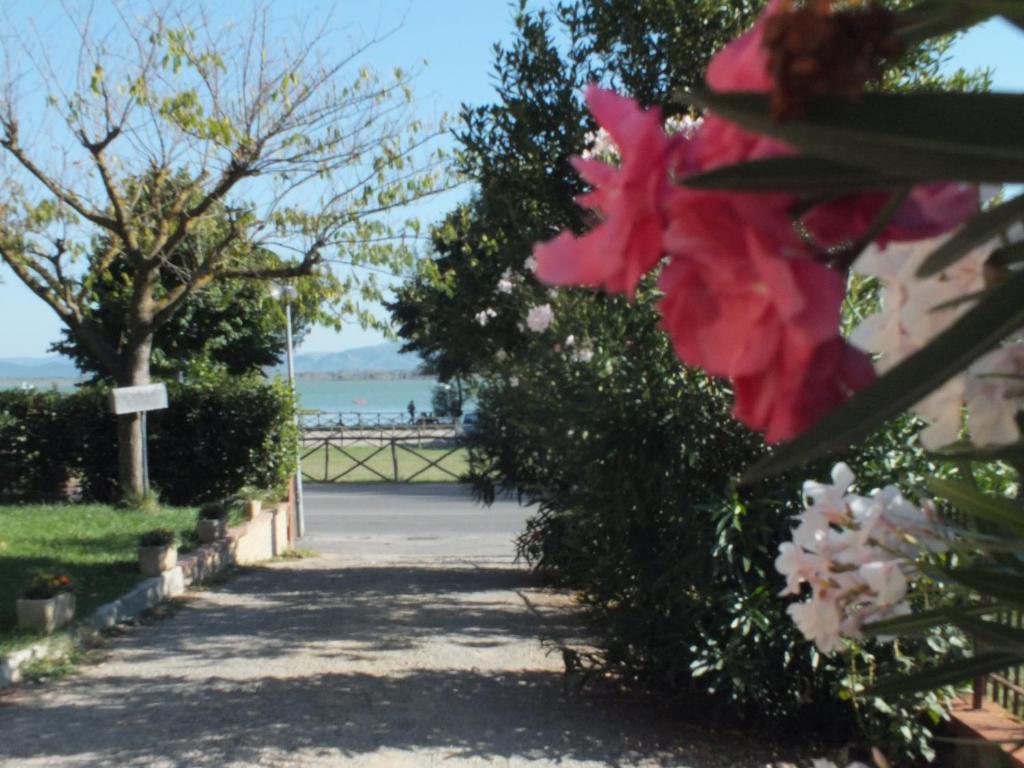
<point x="219" y="435"/>
<point x="633" y="460"/>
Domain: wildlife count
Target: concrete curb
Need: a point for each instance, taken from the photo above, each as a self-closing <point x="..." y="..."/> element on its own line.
<point x="261" y="538"/>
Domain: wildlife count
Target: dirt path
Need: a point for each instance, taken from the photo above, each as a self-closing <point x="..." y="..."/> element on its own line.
<point x="326" y="662"/>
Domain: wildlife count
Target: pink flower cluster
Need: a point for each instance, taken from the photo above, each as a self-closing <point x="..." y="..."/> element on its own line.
<point x="746" y="297"/>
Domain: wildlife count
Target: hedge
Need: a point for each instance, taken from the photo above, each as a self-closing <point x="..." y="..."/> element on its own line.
<point x="219" y="435"/>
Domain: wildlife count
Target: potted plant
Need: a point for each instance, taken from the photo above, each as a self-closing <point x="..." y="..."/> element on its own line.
<point x="158" y="551"/>
<point x="48" y="603"/>
<point x="213" y="522"/>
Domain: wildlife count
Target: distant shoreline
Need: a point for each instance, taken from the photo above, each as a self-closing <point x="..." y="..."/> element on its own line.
<point x="47" y="382"/>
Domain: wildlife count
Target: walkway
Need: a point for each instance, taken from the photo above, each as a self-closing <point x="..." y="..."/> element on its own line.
<point x="390" y="659"/>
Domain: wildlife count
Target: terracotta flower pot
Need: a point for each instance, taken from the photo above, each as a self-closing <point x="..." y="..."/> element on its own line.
<point x="210" y="530"/>
<point x="252" y="508"/>
<point x="46" y="615"/>
<point x="155" y="560"/>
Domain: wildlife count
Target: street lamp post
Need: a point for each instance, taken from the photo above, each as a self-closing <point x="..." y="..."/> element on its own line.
<point x="288" y="293"/>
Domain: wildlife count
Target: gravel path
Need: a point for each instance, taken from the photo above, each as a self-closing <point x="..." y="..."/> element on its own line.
<point x="332" y="662"/>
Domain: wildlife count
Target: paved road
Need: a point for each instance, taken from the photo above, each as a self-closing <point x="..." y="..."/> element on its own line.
<point x="412" y="641"/>
<point x="370" y="521"/>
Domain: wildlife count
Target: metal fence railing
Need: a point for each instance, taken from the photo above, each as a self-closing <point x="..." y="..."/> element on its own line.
<point x="334" y="459"/>
<point x="1003" y="688"/>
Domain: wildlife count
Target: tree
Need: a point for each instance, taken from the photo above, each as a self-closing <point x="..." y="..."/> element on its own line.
<point x="169" y="121"/>
<point x="231" y="325"/>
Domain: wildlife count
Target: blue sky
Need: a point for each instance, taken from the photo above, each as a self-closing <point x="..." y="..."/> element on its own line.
<point x="455" y="37"/>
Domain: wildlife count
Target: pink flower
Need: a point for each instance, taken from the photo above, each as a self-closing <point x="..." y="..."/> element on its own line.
<point x="931" y="210"/>
<point x="628" y="241"/>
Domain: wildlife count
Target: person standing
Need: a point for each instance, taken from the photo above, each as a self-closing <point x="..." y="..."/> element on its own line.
<point x="412" y="411"/>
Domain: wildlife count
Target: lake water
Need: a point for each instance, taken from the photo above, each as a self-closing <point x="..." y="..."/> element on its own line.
<point x="335" y="395"/>
<point x="365" y="395"/>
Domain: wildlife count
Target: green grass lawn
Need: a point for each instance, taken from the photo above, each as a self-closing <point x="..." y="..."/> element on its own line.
<point x="381" y="460"/>
<point x="93" y="544"/>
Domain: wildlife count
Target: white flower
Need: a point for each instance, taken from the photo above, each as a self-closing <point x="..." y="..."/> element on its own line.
<point x="583" y="354"/>
<point x="539" y="318"/>
<point x="818" y="620"/>
<point x="911" y="317"/>
<point x="685" y="124"/>
<point x="508" y="281"/>
<point x="570" y="340"/>
<point x="600" y="146"/>
<point x="513" y="381"/>
<point x="854" y="552"/>
<point x="530" y="265"/>
<point x="484" y="316"/>
<point x="994" y="394"/>
<point x="501" y="355"/>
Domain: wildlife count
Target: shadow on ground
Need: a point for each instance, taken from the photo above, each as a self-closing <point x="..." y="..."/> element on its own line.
<point x="301" y="664"/>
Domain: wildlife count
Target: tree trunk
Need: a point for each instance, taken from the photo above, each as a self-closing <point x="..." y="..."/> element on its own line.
<point x="134" y="372"/>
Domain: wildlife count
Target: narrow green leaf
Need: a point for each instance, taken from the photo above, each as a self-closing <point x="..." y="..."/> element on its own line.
<point x="970" y="500"/>
<point x="964" y="451"/>
<point x="916" y="622"/>
<point x="794" y="174"/>
<point x="924" y="136"/>
<point x="950" y="673"/>
<point x="1000" y="585"/>
<point x="935" y="18"/>
<point x="994" y="636"/>
<point x="975" y="232"/>
<point x="1007" y="255"/>
<point x="972" y="335"/>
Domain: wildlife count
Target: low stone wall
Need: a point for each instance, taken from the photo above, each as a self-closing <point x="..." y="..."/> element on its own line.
<point x="266" y="536"/>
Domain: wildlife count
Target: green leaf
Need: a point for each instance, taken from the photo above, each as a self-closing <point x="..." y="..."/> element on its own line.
<point x="916" y="622"/>
<point x="978" y="231"/>
<point x="999" y="585"/>
<point x="924" y="136"/>
<point x="973" y="502"/>
<point x="965" y="451"/>
<point x="950" y="673"/>
<point x="935" y="18"/>
<point x="993" y="635"/>
<point x="1007" y="255"/>
<point x="793" y="174"/>
<point x="972" y="335"/>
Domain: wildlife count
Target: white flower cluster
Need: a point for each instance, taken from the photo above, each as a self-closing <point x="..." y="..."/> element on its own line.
<point x="582" y="352"/>
<point x="599" y="145"/>
<point x="914" y="311"/>
<point x="508" y="281"/>
<point x="484" y="316"/>
<point x="539" y="318"/>
<point x="855" y="552"/>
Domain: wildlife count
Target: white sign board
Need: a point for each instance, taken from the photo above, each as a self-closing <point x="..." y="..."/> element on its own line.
<point x="151" y="397"/>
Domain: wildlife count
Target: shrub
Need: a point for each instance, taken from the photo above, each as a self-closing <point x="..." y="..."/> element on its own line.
<point x="158" y="537"/>
<point x="45" y="586"/>
<point x="219" y="435"/>
<point x="633" y="460"/>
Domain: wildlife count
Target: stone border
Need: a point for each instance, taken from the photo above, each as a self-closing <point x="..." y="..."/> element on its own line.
<point x="267" y="535"/>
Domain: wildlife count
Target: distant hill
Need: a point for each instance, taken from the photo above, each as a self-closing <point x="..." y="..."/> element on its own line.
<point x="49" y="367"/>
<point x="382" y="358"/>
<point x="379" y="357"/>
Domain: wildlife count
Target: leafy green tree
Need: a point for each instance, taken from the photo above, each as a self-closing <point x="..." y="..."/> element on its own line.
<point x="291" y="147"/>
<point x="232" y="325"/>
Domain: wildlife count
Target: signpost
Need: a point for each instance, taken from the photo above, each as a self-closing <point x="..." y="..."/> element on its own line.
<point x="149" y="397"/>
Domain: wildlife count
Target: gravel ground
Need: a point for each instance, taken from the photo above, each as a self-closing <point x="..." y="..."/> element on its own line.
<point x="332" y="662"/>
